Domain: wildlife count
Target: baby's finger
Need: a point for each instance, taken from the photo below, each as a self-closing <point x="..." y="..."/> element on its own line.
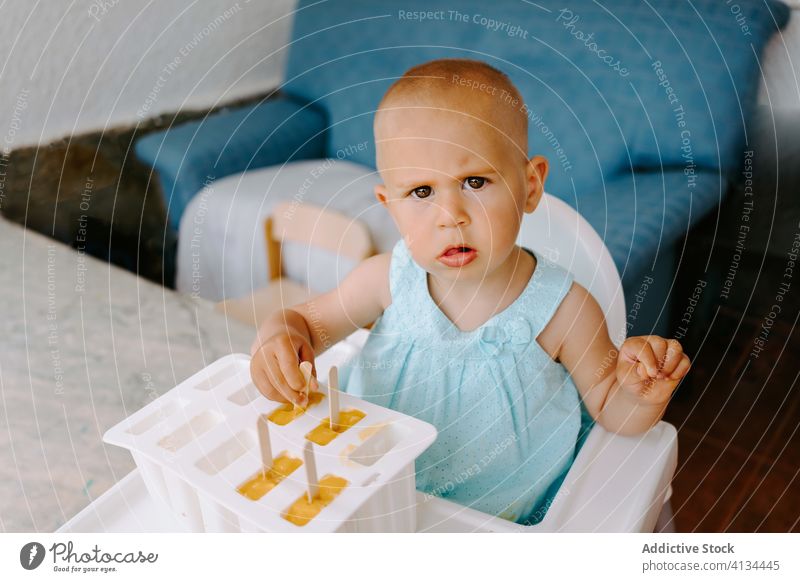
<point x="287" y="358"/>
<point x="626" y="372"/>
<point x="258" y="367"/>
<point x="278" y="380"/>
<point x="674" y="354"/>
<point x="659" y="346"/>
<point x="641" y="371"/>
<point x="260" y="379"/>
<point x="682" y="368"/>
<point x="628" y="367"/>
<point x="630" y="349"/>
<point x="647" y="357"/>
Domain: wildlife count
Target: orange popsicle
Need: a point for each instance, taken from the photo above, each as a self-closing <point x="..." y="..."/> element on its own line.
<point x="323" y="434"/>
<point x="301" y="511"/>
<point x="286" y="413"/>
<point x="267" y="480"/>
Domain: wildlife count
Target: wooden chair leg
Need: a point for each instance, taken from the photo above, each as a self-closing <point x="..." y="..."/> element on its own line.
<point x="274" y="267"/>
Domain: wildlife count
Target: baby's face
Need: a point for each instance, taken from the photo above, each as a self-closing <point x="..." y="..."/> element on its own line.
<point x="456" y="188"/>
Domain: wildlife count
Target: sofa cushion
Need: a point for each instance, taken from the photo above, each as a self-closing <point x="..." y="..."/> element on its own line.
<point x="600" y="104"/>
<point x="640" y="216"/>
<point x="193" y="154"/>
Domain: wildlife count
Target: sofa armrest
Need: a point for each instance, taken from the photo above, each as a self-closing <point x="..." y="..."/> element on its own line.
<point x="190" y="155"/>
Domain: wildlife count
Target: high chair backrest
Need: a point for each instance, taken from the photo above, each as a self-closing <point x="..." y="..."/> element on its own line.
<point x="561" y="235"/>
<point x="315" y="226"/>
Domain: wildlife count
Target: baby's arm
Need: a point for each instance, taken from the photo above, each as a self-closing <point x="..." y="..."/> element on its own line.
<point x="294" y="335"/>
<point x="628" y="391"/>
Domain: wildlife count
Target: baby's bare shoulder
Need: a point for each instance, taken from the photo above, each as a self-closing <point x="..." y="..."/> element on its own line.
<point x="373" y="274"/>
<point x="576" y="320"/>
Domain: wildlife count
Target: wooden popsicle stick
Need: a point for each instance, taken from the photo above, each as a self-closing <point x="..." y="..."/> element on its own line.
<point x="305" y="369"/>
<point x="263" y="440"/>
<point x="333" y="396"/>
<point x="312" y="490"/>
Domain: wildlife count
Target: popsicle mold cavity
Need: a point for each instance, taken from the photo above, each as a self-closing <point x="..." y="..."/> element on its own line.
<point x="378" y="440"/>
<point x="181" y="437"/>
<point x="161" y="413"/>
<point x="244" y="396"/>
<point x="286" y="413"/>
<point x="209" y="381"/>
<point x="265" y="480"/>
<point x="323" y="433"/>
<point x="301" y="511"/>
<point x="227" y="453"/>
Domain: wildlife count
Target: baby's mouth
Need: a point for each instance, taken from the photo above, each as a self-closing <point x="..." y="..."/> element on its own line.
<point x="457" y="255"/>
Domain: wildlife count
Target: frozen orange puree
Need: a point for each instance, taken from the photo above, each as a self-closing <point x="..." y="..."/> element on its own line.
<point x="301" y="511"/>
<point x="288" y="412"/>
<point x="323" y="434"/>
<point x="265" y="481"/>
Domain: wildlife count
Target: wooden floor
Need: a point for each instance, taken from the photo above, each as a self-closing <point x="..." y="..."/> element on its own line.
<point x="737" y="420"/>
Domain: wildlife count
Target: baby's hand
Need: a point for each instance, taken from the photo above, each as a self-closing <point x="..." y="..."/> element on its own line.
<point x="275" y="368"/>
<point x="650" y="367"/>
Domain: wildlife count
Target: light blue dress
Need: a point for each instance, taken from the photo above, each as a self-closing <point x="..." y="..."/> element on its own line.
<point x="510" y="419"/>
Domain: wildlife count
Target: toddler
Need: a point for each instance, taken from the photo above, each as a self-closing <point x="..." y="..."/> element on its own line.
<point x="492" y="344"/>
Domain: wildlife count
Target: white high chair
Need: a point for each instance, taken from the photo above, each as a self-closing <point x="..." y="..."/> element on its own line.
<point x="616" y="483"/>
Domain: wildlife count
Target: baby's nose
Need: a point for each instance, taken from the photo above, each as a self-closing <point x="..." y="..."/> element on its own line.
<point x="452" y="212"/>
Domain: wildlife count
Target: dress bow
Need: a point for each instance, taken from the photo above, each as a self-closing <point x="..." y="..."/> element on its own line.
<point x="514" y="334"/>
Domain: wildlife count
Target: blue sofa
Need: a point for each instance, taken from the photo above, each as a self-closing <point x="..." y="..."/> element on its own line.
<point x="641" y="108"/>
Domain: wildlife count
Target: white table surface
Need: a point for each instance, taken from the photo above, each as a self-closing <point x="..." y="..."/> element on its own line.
<point x="84" y="344"/>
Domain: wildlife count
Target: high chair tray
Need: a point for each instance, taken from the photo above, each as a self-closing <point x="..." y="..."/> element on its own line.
<point x="616" y="484"/>
<point x="127" y="508"/>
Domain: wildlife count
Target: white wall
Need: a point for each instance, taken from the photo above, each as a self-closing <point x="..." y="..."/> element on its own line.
<point x="73" y="67"/>
<point x="781" y="65"/>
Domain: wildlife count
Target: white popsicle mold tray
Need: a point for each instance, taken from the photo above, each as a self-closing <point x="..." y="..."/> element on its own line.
<point x="195" y="445"/>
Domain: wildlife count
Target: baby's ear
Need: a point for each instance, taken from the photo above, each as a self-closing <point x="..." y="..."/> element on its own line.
<point x="380" y="193"/>
<point x="535" y="175"/>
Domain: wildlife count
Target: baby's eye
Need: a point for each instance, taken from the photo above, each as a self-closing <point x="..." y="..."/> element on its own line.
<point x="421" y="192"/>
<point x="475" y="182"/>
